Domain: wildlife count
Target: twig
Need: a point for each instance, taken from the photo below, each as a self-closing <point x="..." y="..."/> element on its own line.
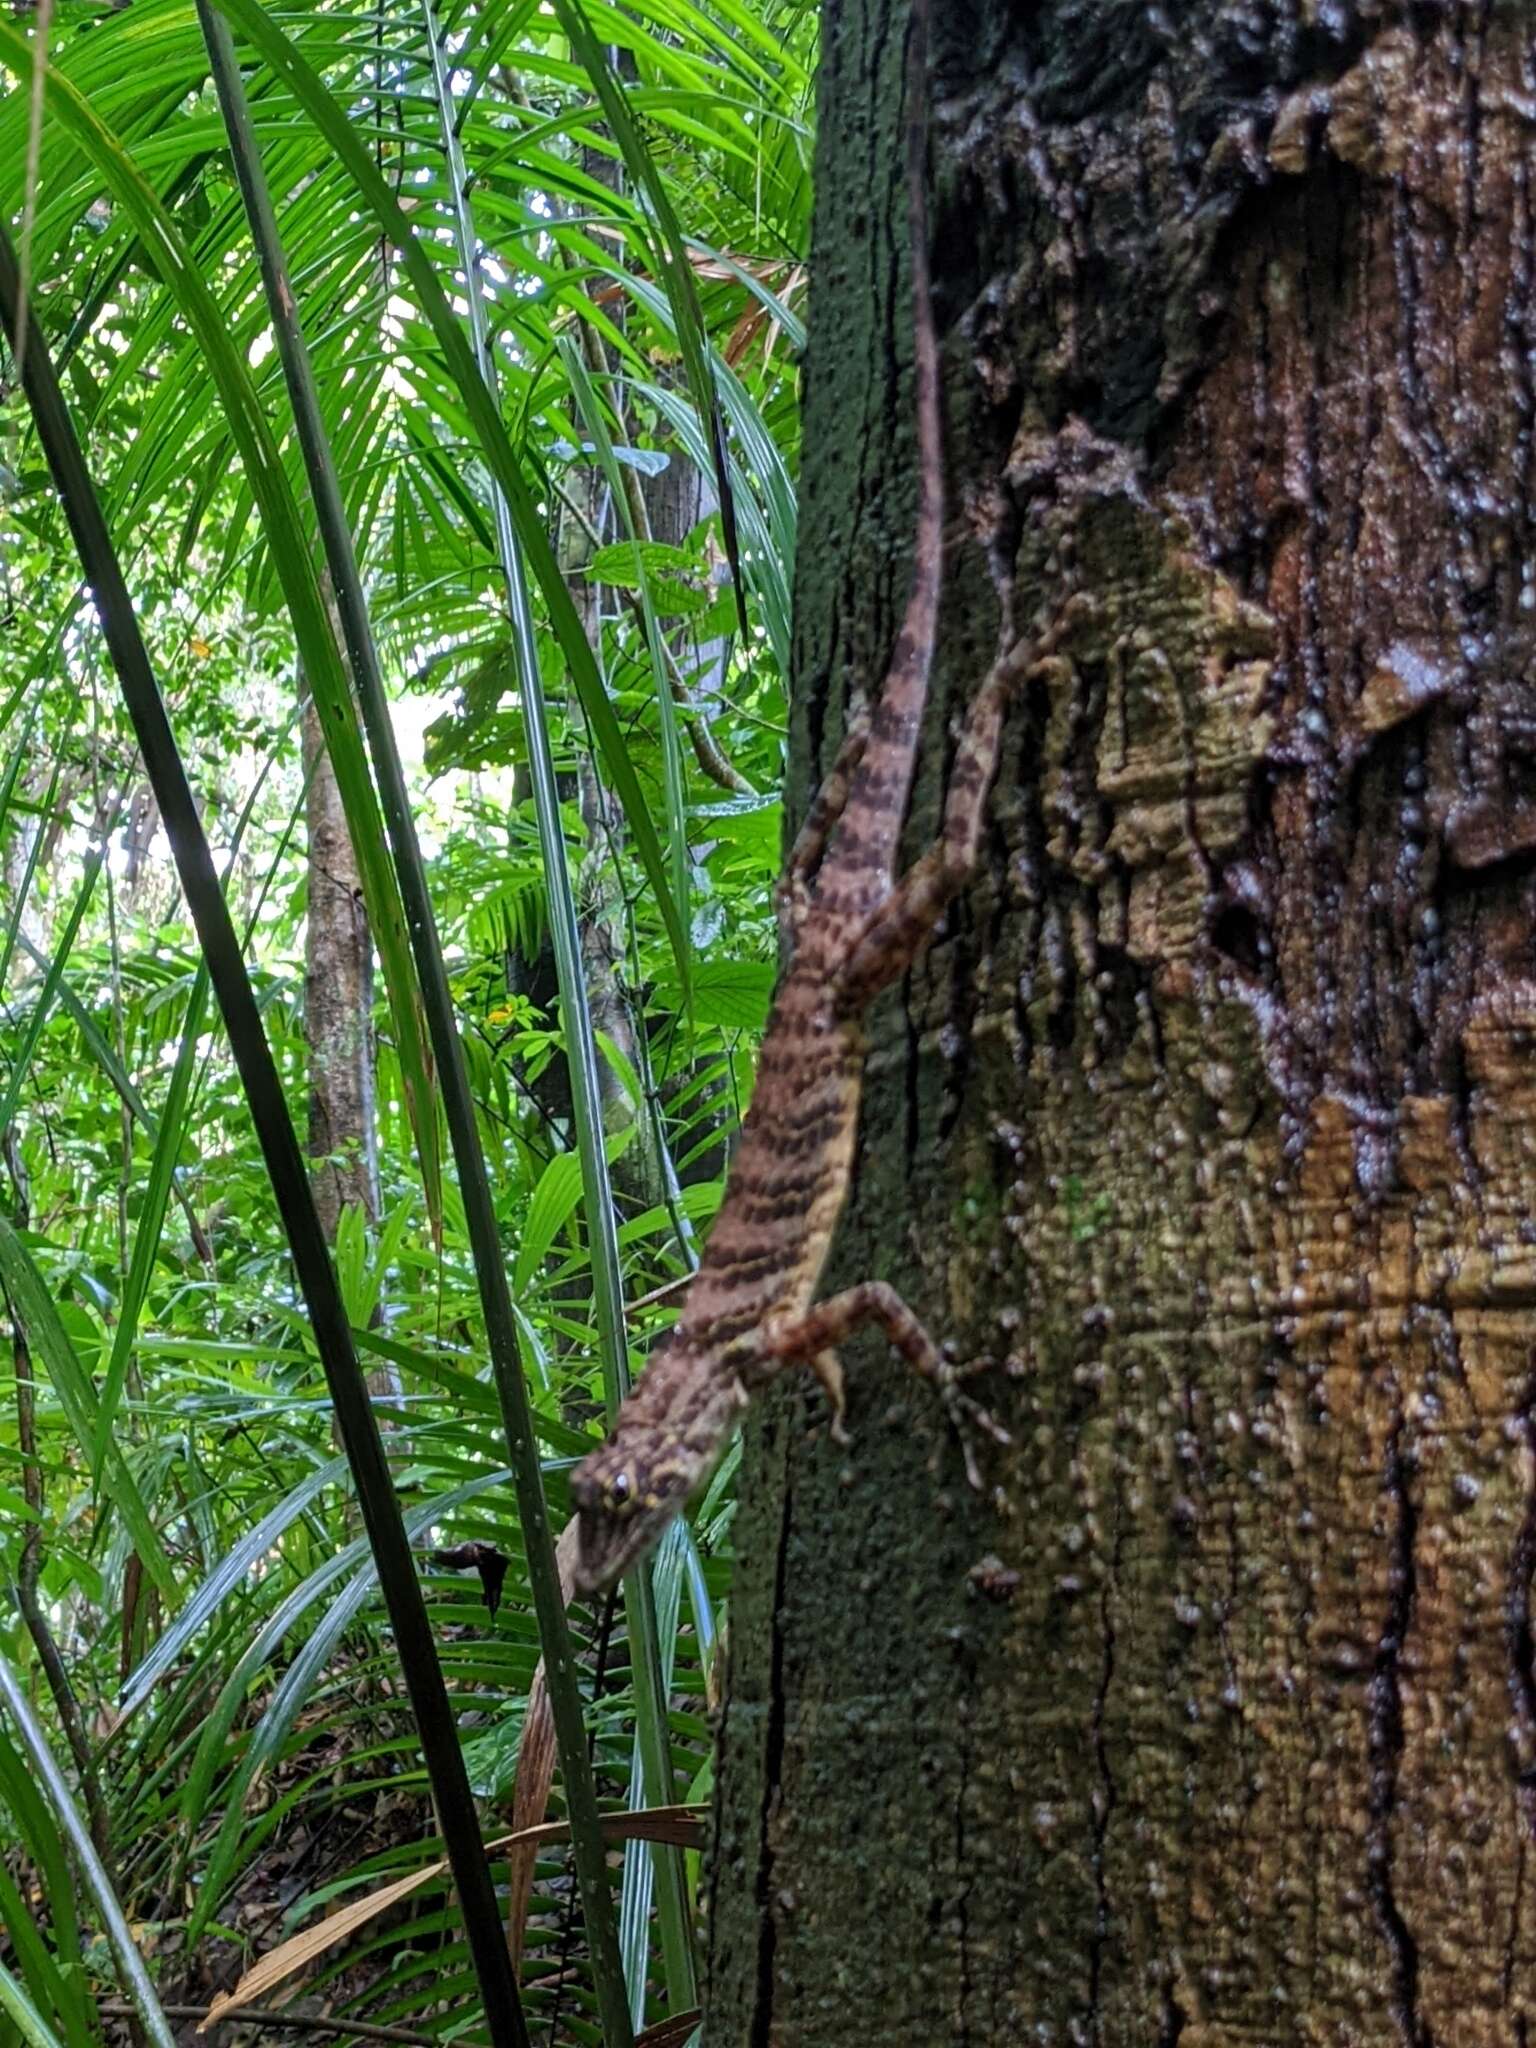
<point x="668" y="1287"/>
<point x="267" y="2016"/>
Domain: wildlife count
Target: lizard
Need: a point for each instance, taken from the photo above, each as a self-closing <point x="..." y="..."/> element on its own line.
<point x="849" y="928"/>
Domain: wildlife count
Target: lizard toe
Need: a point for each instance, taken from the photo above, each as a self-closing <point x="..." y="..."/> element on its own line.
<point x="966" y="1417"/>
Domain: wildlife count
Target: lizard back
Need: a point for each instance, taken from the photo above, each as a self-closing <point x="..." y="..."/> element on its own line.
<point x="790" y="1173"/>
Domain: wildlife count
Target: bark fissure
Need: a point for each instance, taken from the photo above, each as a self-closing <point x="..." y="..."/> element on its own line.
<point x="963" y="1865"/>
<point x="1175" y="2019"/>
<point x="1386" y="1747"/>
<point x="1519" y="314"/>
<point x="773" y="1761"/>
<point x="912" y="1101"/>
<point x="1104" y="1798"/>
<point x="1520" y="1633"/>
<point x="1512" y="1933"/>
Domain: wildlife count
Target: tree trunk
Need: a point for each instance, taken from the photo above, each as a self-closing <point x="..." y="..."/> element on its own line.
<point x="635" y="1174"/>
<point x="338" y="1001"/>
<point x="1210" y="1117"/>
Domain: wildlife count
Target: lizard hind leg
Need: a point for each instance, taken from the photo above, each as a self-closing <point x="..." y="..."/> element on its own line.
<point x="809" y="1337"/>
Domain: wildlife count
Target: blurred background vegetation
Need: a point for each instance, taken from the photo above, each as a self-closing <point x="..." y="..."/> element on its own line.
<point x="193" y="1632"/>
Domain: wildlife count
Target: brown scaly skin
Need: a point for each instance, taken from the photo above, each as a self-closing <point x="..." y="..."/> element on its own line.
<point x="853" y="929"/>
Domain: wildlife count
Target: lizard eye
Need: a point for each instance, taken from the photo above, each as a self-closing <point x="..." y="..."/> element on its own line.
<point x="618" y="1488"/>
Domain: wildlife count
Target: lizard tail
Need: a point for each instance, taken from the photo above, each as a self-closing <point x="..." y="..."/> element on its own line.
<point x="921" y="622"/>
<point x="859" y="873"/>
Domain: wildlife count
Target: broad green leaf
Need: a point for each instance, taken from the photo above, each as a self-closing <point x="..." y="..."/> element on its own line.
<point x="636" y="565"/>
<point x="555" y="1200"/>
<point x="732" y="993"/>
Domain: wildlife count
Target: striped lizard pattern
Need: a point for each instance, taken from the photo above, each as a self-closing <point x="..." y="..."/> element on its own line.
<point x="850" y="928"/>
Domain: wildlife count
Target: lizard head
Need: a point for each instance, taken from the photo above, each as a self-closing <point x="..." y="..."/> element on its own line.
<point x="622" y="1505"/>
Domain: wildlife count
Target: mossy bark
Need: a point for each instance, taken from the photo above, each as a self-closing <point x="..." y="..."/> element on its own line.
<point x="1211" y="1117"/>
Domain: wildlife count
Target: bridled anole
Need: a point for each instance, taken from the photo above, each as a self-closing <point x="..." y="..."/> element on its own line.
<point x="850" y="928"/>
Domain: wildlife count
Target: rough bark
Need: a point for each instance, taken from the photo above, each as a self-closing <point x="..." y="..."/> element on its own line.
<point x="338" y="1001"/>
<point x="1211" y="1116"/>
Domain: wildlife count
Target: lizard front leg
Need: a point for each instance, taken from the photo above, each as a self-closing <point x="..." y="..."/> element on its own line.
<point x="898" y="929"/>
<point x="811" y="1336"/>
<point x="792" y="893"/>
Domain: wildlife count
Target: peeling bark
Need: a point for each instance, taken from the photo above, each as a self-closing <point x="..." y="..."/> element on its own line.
<point x="1211" y="1117"/>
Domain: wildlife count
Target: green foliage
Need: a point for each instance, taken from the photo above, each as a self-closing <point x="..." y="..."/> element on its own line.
<point x="181" y="1508"/>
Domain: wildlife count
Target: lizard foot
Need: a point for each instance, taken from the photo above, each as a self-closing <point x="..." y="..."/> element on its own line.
<point x="967" y="1415"/>
<point x="808" y="1338"/>
<point x="828" y="1368"/>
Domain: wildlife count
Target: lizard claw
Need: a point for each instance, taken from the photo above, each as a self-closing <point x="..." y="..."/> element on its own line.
<point x="966" y="1416"/>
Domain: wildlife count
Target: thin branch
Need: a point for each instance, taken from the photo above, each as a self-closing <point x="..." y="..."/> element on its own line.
<point x="268" y="2016"/>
